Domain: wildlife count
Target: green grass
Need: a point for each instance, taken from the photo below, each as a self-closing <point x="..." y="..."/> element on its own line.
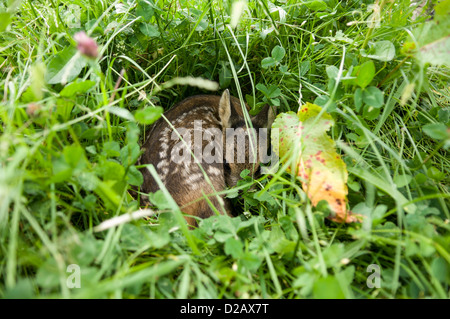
<point x="68" y="159"/>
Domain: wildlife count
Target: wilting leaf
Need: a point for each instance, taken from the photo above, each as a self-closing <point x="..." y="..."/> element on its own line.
<point x="321" y="170"/>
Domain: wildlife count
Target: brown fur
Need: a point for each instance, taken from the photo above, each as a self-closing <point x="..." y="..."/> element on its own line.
<point x="186" y="182"/>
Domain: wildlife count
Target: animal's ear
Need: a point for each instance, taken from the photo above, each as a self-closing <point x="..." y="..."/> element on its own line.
<point x="227" y="113"/>
<point x="265" y="117"/>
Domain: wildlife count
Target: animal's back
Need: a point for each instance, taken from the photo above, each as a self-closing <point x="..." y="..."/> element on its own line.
<point x="185" y="180"/>
<point x="202" y="122"/>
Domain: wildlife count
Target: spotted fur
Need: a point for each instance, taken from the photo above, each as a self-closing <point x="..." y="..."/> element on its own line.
<point x="185" y="180"/>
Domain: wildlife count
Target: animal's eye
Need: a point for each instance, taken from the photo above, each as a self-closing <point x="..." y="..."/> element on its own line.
<point x="226" y="165"/>
<point x="258" y="172"/>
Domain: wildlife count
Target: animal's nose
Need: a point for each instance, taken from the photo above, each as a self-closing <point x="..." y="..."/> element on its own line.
<point x="226" y="165"/>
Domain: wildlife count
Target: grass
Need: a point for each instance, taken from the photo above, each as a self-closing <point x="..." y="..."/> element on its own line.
<point x="68" y="151"/>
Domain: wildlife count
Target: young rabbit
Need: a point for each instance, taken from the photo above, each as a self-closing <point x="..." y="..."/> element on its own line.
<point x="209" y="126"/>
